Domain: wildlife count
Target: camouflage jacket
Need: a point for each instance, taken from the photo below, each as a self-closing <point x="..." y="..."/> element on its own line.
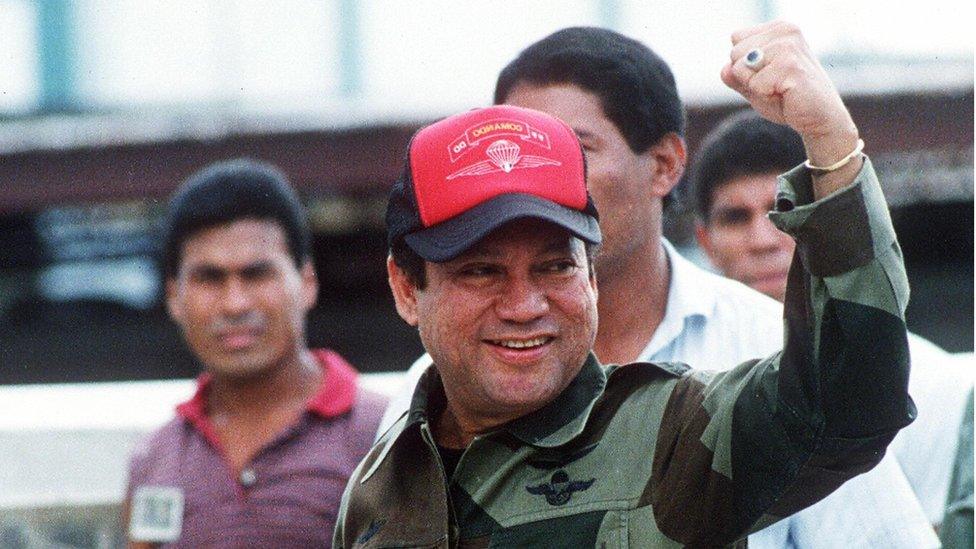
<point x="660" y="455"/>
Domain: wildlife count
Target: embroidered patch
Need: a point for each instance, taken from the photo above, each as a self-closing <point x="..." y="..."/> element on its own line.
<point x="156" y="514"/>
<point x="560" y="489"/>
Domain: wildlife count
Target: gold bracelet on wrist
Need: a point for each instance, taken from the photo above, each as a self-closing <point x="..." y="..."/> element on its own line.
<point x="839" y="164"/>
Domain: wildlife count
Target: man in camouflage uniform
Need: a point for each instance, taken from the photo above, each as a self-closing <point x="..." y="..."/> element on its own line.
<point x="518" y="437"/>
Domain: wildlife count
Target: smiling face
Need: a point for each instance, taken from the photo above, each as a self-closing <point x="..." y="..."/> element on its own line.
<point x="741" y="241"/>
<point x="239" y="298"/>
<point x="509" y="323"/>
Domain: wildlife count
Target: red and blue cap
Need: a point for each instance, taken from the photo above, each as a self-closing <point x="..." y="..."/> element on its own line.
<point x="471" y="173"/>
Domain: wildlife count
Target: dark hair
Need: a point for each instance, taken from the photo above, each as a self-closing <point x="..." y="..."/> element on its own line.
<point x="742" y="144"/>
<point x="635" y="86"/>
<point x="415" y="267"/>
<point x="229" y="191"/>
<point x="410" y="263"/>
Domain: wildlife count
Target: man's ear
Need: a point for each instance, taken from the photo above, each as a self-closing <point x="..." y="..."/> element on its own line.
<point x="670" y="157"/>
<point x="404" y="292"/>
<point x="172" y="300"/>
<point x="591" y="270"/>
<point x="310" y="286"/>
<point x="704" y="239"/>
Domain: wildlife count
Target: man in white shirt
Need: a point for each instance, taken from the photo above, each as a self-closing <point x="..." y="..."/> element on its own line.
<point x="621" y="100"/>
<point x="733" y="181"/>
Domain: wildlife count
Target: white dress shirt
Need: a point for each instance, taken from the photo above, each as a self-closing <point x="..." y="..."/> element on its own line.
<point x="716" y="323"/>
<point x="926" y="449"/>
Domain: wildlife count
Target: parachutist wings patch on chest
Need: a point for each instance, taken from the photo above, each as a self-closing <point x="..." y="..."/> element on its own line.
<point x="559" y="489"/>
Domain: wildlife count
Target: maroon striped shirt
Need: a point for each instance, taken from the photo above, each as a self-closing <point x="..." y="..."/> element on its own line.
<point x="287" y="496"/>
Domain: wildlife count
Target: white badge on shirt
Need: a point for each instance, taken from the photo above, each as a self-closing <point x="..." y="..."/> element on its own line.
<point x="156" y="514"/>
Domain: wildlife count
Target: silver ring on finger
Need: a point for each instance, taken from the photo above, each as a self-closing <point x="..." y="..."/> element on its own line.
<point x="754" y="59"/>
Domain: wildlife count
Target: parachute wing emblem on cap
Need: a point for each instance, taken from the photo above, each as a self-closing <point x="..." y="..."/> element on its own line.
<point x="503" y="156"/>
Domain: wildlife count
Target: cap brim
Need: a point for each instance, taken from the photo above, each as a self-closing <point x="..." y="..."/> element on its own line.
<point x="447" y="240"/>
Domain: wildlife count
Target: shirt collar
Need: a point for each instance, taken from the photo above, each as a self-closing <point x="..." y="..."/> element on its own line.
<point x="335" y="395"/>
<point x="563" y="419"/>
<point x="686" y="299"/>
<point x="552" y="425"/>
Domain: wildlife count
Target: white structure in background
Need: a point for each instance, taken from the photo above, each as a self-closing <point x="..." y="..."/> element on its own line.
<point x="154" y="70"/>
<point x="68" y="444"/>
<point x="65" y="450"/>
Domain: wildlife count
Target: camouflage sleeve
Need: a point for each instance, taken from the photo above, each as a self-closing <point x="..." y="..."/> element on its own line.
<point x="740" y="449"/>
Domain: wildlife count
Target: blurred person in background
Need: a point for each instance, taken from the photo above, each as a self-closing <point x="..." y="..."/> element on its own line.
<point x="621" y="99"/>
<point x="259" y="456"/>
<point x="957" y="526"/>
<point x="733" y="182"/>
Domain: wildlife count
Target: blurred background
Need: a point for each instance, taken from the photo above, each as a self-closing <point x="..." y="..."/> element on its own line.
<point x="106" y="105"/>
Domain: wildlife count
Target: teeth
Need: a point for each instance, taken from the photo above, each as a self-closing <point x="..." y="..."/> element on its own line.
<point x="521" y="344"/>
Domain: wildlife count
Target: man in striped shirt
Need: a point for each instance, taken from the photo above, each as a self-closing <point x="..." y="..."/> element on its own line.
<point x="259" y="456"/>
